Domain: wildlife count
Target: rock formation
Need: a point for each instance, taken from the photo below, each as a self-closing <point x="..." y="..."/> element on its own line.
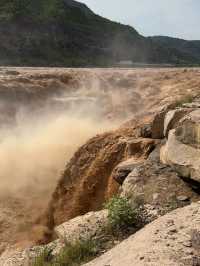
<point x="80" y="228"/>
<point x="88" y="185"/>
<point x="182" y="148"/>
<point x="169" y="240"/>
<point x="153" y="158"/>
<point x="173" y="239"/>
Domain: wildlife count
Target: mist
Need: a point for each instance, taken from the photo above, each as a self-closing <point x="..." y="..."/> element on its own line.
<point x="34" y="153"/>
<point x="40" y="130"/>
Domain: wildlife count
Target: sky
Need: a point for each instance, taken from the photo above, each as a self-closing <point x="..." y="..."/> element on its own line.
<point x="175" y="18"/>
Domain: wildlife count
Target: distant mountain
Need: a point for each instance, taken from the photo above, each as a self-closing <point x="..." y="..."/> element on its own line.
<point x="190" y="49"/>
<point x="68" y="33"/>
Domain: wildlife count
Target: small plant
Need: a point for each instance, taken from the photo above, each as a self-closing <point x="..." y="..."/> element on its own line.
<point x="43" y="258"/>
<point x="185" y="99"/>
<point x="71" y="255"/>
<point x="121" y="214"/>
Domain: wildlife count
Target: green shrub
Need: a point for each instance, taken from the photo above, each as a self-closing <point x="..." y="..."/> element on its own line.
<point x="123" y="219"/>
<point x="185" y="99"/>
<point x="43" y="259"/>
<point x="71" y="255"/>
<point x="121" y="214"/>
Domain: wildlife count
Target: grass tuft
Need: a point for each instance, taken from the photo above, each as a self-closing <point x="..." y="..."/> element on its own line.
<point x="185" y="99"/>
<point x="71" y="255"/>
<point x="121" y="214"/>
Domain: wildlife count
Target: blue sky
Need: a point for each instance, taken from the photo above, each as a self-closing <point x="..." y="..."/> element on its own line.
<point x="177" y="18"/>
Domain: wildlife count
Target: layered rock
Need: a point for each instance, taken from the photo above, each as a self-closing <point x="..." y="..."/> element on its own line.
<point x="135" y="164"/>
<point x="88" y="180"/>
<point x="80" y="228"/>
<point x="158" y="122"/>
<point x="182" y="151"/>
<point x="157" y="185"/>
<point x="173" y="117"/>
<point x="138" y="150"/>
<point x="124" y="169"/>
<point x="171" y="240"/>
<point x="26" y="257"/>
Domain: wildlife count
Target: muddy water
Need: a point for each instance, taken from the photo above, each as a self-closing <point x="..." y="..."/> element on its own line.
<point x="46" y="114"/>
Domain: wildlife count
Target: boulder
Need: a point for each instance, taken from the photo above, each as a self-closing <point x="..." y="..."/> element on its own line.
<point x="171" y="240"/>
<point x="137" y="151"/>
<point x="182" y="151"/>
<point x="146" y="131"/>
<point x="162" y="122"/>
<point x="138" y="147"/>
<point x="157" y="185"/>
<point x="173" y="117"/>
<point x="82" y="227"/>
<point x="26" y="257"/>
<point x="188" y="131"/>
<point x="184" y="159"/>
<point x="157" y="126"/>
<point x="124" y="169"/>
<point x="79" y="228"/>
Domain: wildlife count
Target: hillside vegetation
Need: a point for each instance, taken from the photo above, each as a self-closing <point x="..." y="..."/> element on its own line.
<point x="68" y="33"/>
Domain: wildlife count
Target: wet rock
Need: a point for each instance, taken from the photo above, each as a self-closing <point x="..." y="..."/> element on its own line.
<point x="138" y="150"/>
<point x="123" y="170"/>
<point x="138" y="147"/>
<point x="146" y="131"/>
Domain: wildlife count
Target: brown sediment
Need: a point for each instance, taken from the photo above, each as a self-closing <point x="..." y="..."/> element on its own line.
<point x="64" y="101"/>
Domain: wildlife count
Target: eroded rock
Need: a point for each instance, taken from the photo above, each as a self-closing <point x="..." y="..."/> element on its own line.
<point x="82" y="227"/>
<point x="173" y="117"/>
<point x="124" y="169"/>
<point x="138" y="147"/>
<point x="79" y="228"/>
<point x="157" y="184"/>
<point x="157" y="126"/>
<point x="146" y="131"/>
<point x="137" y="151"/>
<point x="167" y="241"/>
<point x="188" y="132"/>
<point x="182" y="151"/>
<point x="26" y="257"/>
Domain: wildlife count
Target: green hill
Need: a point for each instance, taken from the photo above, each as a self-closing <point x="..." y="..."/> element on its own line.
<point x="191" y="49"/>
<point x="68" y="33"/>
